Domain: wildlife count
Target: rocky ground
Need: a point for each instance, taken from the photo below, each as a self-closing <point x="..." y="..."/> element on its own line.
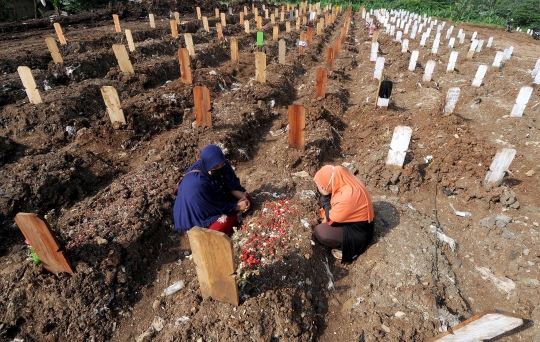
<point x="108" y="192"/>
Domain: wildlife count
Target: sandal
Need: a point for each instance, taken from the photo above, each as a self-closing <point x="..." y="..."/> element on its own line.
<point x="337" y="253"/>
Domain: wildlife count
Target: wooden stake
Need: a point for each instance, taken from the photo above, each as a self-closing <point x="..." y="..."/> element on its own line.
<point x="259" y="23"/>
<point x="337" y="47"/>
<point x="205" y="24"/>
<point x="260" y="65"/>
<point x="39" y="235"/>
<point x="288" y="26"/>
<point x="343" y="34"/>
<point x="223" y="20"/>
<point x="297" y="23"/>
<point x="129" y="37"/>
<point x="282" y="51"/>
<point x="116" y="23"/>
<point x="185" y="69"/>
<point x="246" y="26"/>
<point x="53" y="49"/>
<point x="303" y="38"/>
<point x="282" y="16"/>
<point x="201" y="98"/>
<point x="320" y="87"/>
<point x="266" y="14"/>
<point x="272" y="19"/>
<point x="152" y="21"/>
<point x="174" y="28"/>
<point x="199" y="16"/>
<point x="60" y="34"/>
<point x="216" y="11"/>
<point x="245" y="11"/>
<point x="297" y="125"/>
<point x="375" y="36"/>
<point x="177" y="18"/>
<point x="309" y="35"/>
<point x="234" y="49"/>
<point x="219" y="31"/>
<point x="330" y="59"/>
<point x="123" y="59"/>
<point x="319" y="30"/>
<point x="189" y="43"/>
<point x="242" y="18"/>
<point x="29" y="84"/>
<point x="214" y="262"/>
<point x="114" y="109"/>
<point x="275" y="33"/>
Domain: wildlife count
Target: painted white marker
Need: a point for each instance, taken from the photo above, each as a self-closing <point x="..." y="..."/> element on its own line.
<point x="398" y="36"/>
<point x="499" y="166"/>
<point x="536" y="68"/>
<point x="490" y="42"/>
<point x="480" y="44"/>
<point x="414" y="30"/>
<point x="498" y="59"/>
<point x="424" y="38"/>
<point x="462" y="38"/>
<point x="474" y="35"/>
<point x="405" y="45"/>
<point x="399" y="146"/>
<point x="452" y="42"/>
<point x="435" y="47"/>
<point x="430" y="67"/>
<point x="521" y="102"/>
<point x="414" y="57"/>
<point x="480" y="73"/>
<point x="452" y="61"/>
<point x="379" y="66"/>
<point x="451" y="99"/>
<point x="374" y="51"/>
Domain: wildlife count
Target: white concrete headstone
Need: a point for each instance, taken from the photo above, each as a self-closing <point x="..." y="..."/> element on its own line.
<point x="508" y="53"/>
<point x="398" y="23"/>
<point x="459" y="32"/>
<point x="449" y="32"/>
<point x="480" y="73"/>
<point x="499" y="166"/>
<point x="424" y="38"/>
<point x="407" y="26"/>
<point x="414" y="30"/>
<point x="414" y="58"/>
<point x="474" y="35"/>
<point x="537" y="78"/>
<point x="462" y="38"/>
<point x="536" y="68"/>
<point x="474" y="44"/>
<point x="405" y="45"/>
<point x="402" y="24"/>
<point x="498" y="59"/>
<point x="452" y="42"/>
<point x="399" y="145"/>
<point x="480" y="44"/>
<point x="452" y="61"/>
<point x="438" y="36"/>
<point x="374" y="51"/>
<point x="451" y="99"/>
<point x="490" y="42"/>
<point x="435" y="47"/>
<point x="392" y="30"/>
<point x="399" y="34"/>
<point x="379" y="66"/>
<point x="521" y="102"/>
<point x="430" y="67"/>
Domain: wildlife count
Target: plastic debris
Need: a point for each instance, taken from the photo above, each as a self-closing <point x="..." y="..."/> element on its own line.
<point x="441" y="236"/>
<point x="330" y="275"/>
<point x="70" y="130"/>
<point x="460" y="213"/>
<point x="173" y="288"/>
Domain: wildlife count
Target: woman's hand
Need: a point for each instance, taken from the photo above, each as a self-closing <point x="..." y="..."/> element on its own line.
<point x="242" y="205"/>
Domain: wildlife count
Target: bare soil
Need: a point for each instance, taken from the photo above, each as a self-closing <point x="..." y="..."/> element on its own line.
<point x="108" y="193"/>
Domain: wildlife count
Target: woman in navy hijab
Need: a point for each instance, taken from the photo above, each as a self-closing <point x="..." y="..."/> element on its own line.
<point x="210" y="195"/>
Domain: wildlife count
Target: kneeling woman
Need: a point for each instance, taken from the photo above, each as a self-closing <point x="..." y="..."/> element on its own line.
<point x="210" y="195"/>
<point x="347" y="213"/>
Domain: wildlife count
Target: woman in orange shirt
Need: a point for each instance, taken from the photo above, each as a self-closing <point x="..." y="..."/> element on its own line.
<point x="347" y="213"/>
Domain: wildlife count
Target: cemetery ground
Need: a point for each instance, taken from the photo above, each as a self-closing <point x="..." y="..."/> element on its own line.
<point x="107" y="190"/>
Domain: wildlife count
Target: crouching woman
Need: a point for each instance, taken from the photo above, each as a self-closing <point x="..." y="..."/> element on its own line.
<point x="347" y="212"/>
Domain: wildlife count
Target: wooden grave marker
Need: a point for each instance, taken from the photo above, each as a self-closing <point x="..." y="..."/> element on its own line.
<point x="205" y="24"/>
<point x="320" y="83"/>
<point x="319" y="29"/>
<point x="260" y="39"/>
<point x="39" y="235"/>
<point x="288" y="26"/>
<point x="414" y="58"/>
<point x="297" y="23"/>
<point x="374" y="52"/>
<point x="246" y="26"/>
<point x="399" y="146"/>
<point x="123" y="59"/>
<point x="309" y="35"/>
<point x="521" y="102"/>
<point x="375" y="36"/>
<point x="275" y="33"/>
<point x="297" y="126"/>
<point x="223" y="20"/>
<point x="214" y="262"/>
<point x="199" y="15"/>
<point x="481" y="327"/>
<point x="330" y="59"/>
<point x="219" y="31"/>
<point x="302" y="43"/>
<point x="185" y="68"/>
<point x="177" y="18"/>
<point x="29" y="84"/>
<point x="282" y="16"/>
<point x="60" y="34"/>
<point x="216" y="12"/>
<point x="234" y="50"/>
<point x="201" y="99"/>
<point x="53" y="49"/>
<point x="452" y="97"/>
<point x="499" y="166"/>
<point x="379" y="66"/>
<point x="245" y="11"/>
<point x="116" y="23"/>
<point x="480" y="73"/>
<point x="174" y="28"/>
<point x="152" y="20"/>
<point x="337" y="47"/>
<point x="452" y="61"/>
<point x="260" y="65"/>
<point x="472" y="49"/>
<point x="242" y="18"/>
<point x="112" y="101"/>
<point x="282" y="51"/>
<point x="342" y="34"/>
<point x="129" y="38"/>
<point x="428" y="72"/>
<point x="188" y="38"/>
<point x="259" y="23"/>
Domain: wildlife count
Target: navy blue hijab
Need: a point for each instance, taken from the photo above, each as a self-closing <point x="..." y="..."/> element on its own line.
<point x="201" y="199"/>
